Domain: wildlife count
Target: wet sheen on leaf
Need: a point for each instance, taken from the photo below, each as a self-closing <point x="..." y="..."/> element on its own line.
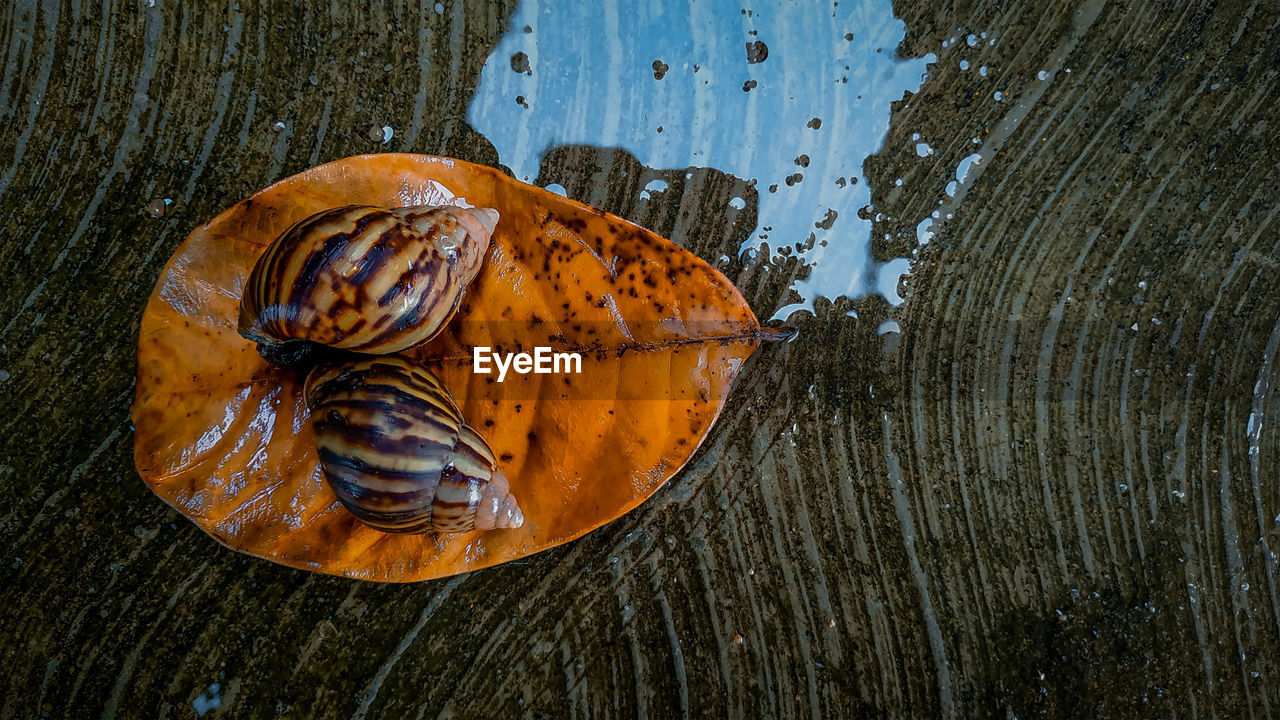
<point x="225" y="437"/>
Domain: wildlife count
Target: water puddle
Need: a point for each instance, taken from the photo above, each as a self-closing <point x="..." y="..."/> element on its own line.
<point x="792" y="96"/>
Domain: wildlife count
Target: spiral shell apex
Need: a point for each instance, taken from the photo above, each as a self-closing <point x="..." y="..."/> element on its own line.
<point x="396" y="451"/>
<point x="366" y="279"/>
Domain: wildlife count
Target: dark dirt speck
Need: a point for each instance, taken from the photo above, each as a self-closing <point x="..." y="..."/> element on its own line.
<point x="520" y="63"/>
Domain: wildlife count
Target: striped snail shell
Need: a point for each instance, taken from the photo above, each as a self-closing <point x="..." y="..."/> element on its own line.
<point x="395" y="449"/>
<point x="365" y="279"/>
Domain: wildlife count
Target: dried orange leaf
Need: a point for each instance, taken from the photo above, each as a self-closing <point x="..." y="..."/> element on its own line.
<point x="225" y="437"/>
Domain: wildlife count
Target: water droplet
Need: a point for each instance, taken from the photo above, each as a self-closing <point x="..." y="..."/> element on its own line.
<point x="924" y="231"/>
<point x="205" y="702"/>
<point x="157" y="207"/>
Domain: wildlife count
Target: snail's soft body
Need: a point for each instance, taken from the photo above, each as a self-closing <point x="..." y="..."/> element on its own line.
<point x="396" y="451"/>
<point x="365" y="279"/>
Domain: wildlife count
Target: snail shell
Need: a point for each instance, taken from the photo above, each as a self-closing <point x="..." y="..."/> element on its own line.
<point x="365" y="279"/>
<point x="395" y="449"/>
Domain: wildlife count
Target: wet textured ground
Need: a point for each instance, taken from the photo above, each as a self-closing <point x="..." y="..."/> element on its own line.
<point x="1054" y="493"/>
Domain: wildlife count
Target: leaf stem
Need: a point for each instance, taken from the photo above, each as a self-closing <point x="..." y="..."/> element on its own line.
<point x="779" y="334"/>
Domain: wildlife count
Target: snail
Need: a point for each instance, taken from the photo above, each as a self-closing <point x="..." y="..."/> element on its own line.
<point x="365" y="279"/>
<point x="396" y="451"/>
<point x="392" y="442"/>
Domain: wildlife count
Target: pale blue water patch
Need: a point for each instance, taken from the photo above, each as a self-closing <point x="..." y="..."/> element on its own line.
<point x="889" y="326"/>
<point x="928" y="227"/>
<point x="205" y="702"/>
<point x="654" y="186"/>
<point x="793" y="96"/>
<point x="887" y="279"/>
